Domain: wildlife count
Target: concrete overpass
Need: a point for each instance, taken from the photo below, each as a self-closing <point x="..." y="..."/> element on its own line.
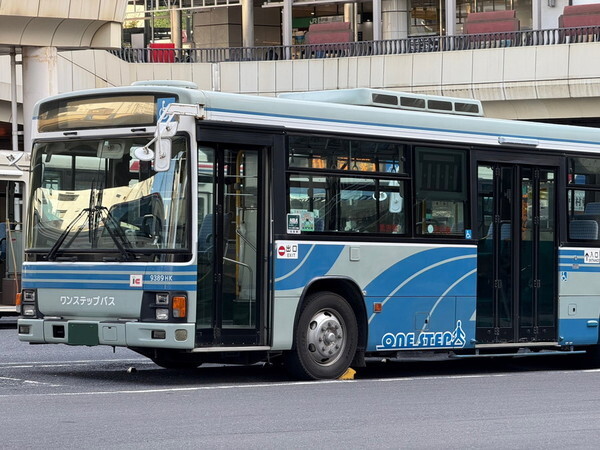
<point x="537" y="82"/>
<point x="558" y="81"/>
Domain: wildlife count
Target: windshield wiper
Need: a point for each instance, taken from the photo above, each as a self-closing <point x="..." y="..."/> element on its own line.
<point x="112" y="226"/>
<point x="51" y="256"/>
<point x="94" y="212"/>
<point x="115" y="232"/>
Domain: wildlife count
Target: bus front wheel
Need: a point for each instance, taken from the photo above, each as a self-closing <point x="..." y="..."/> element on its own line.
<point x="325" y="338"/>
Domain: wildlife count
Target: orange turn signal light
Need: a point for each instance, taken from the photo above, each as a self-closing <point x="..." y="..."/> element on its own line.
<point x="18" y="299"/>
<point x="179" y="307"/>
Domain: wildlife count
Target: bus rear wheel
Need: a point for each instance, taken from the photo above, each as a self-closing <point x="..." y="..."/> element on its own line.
<point x="325" y="338"/>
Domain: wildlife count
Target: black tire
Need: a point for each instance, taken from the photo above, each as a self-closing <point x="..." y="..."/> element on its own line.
<point x="325" y="338"/>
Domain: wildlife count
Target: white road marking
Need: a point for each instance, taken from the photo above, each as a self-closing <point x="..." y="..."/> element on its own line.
<point x="21" y="364"/>
<point x="182" y="389"/>
<point x="21" y="380"/>
<point x="271" y="385"/>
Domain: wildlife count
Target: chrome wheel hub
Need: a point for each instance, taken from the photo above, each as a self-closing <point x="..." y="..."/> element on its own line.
<point x="325" y="337"/>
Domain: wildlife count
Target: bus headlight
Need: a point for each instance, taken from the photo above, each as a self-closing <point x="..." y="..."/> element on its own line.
<point x="162" y="299"/>
<point x="28" y="303"/>
<point x="28" y="310"/>
<point x="162" y="314"/>
<point x="164" y="306"/>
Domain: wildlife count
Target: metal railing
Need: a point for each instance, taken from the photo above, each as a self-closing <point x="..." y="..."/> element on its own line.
<point x="363" y="48"/>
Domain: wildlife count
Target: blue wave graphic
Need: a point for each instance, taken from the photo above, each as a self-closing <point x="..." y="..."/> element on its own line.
<point x="313" y="261"/>
<point x="452" y="263"/>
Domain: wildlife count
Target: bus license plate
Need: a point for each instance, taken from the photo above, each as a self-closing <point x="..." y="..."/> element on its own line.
<point x="83" y="334"/>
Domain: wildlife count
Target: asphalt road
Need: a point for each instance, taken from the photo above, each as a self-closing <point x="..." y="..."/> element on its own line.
<point x="78" y="397"/>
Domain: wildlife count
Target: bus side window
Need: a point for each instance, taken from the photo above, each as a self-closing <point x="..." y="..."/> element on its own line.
<point x="583" y="198"/>
<point x="441" y="191"/>
<point x="333" y="203"/>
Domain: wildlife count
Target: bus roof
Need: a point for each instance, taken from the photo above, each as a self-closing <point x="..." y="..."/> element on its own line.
<point x="301" y="114"/>
<point x="391" y="99"/>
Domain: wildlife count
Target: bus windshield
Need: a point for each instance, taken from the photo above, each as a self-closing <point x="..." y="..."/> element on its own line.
<point x="93" y="200"/>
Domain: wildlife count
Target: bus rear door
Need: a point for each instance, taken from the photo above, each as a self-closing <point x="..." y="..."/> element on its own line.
<point x="517" y="250"/>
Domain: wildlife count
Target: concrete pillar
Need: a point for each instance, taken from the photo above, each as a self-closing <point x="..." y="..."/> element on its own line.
<point x="394" y="19"/>
<point x="176" y="27"/>
<point x="248" y="23"/>
<point x="450" y="18"/>
<point x="40" y="80"/>
<point x="350" y="17"/>
<point x="377" y="20"/>
<point x="536" y="16"/>
<point x="13" y="99"/>
<point x="286" y="27"/>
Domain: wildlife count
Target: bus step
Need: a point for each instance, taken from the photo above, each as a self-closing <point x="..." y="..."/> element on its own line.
<point x="516" y="354"/>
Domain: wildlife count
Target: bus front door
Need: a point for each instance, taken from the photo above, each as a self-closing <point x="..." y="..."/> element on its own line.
<point x="517" y="253"/>
<point x="229" y="238"/>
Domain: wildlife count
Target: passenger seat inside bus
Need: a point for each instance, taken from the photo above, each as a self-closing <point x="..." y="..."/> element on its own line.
<point x="205" y="237"/>
<point x="583" y="230"/>
<point x="592" y="208"/>
<point x="588" y="231"/>
<point x="205" y="244"/>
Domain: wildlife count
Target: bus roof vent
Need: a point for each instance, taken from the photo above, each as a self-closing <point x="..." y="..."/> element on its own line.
<point x="392" y="99"/>
<point x="167" y="83"/>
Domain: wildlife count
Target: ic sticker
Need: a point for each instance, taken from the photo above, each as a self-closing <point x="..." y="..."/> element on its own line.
<point x="136" y="280"/>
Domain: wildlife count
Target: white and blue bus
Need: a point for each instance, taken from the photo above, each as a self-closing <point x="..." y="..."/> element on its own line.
<point x="316" y="229"/>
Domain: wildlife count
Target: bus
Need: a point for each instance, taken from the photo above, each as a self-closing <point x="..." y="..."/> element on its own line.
<point x="315" y="230"/>
<point x="14" y="172"/>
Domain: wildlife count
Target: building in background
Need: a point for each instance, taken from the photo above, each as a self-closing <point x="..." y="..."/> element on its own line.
<point x="247" y="23"/>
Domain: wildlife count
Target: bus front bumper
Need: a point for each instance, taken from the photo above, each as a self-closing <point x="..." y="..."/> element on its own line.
<point x="119" y="334"/>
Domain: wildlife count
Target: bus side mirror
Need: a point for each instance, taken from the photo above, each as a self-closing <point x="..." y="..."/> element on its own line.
<point x="162" y="154"/>
<point x="162" y="147"/>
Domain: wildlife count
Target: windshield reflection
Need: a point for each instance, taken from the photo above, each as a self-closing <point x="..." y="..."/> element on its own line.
<point x="95" y="200"/>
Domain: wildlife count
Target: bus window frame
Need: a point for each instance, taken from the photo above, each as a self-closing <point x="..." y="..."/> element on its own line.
<point x="403" y="178"/>
<point x="464" y="155"/>
<point x="572" y="187"/>
<point x="179" y="254"/>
